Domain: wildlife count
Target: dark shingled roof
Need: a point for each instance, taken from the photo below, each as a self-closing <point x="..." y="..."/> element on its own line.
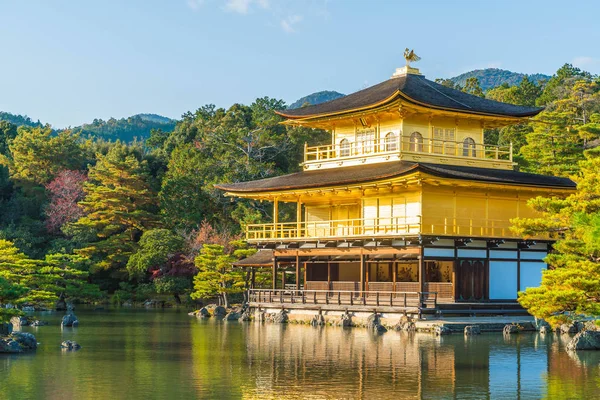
<point x="260" y="259"/>
<point x="415" y="89"/>
<point x="371" y="172"/>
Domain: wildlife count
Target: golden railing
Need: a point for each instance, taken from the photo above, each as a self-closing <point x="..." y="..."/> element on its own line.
<point x="334" y="229"/>
<point x="381" y="227"/>
<point x="406" y="145"/>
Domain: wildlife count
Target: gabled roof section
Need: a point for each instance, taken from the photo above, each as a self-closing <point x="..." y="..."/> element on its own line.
<point x="387" y="170"/>
<point x="413" y="89"/>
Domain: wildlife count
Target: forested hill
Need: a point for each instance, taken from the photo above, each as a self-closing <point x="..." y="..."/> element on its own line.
<point x="492" y="77"/>
<point x="126" y="129"/>
<point x="18" y="120"/>
<point x="316" y="98"/>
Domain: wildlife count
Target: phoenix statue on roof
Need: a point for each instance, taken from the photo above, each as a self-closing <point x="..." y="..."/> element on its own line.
<point x="410" y="56"/>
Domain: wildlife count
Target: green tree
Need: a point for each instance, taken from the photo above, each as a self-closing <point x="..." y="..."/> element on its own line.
<point x="183" y="197"/>
<point x="216" y="275"/>
<point x="8" y="132"/>
<point x="472" y="87"/>
<point x="40" y="283"/>
<point x="119" y="205"/>
<point x="37" y="155"/>
<point x="155" y="248"/>
<point x="571" y="285"/>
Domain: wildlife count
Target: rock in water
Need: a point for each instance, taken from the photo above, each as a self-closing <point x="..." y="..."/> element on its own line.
<point x="8" y="345"/>
<point x="26" y="340"/>
<point x="585" y="340"/>
<point x="70" y="320"/>
<point x="510" y="329"/>
<point x="281" y="317"/>
<point x="203" y="313"/>
<point x="318" y="320"/>
<point x="345" y="320"/>
<point x="441" y="330"/>
<point x="6" y="328"/>
<point x="245" y="316"/>
<point x="472" y="330"/>
<point x="374" y="324"/>
<point x="570" y="328"/>
<point x="545" y="330"/>
<point x="233" y="316"/>
<point x="219" y="311"/>
<point x="69" y="345"/>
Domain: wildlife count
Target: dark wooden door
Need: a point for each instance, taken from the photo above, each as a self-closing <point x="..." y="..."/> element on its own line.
<point x="471" y="279"/>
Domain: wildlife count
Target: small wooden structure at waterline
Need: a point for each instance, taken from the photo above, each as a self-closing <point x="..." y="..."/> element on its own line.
<point x="407" y="210"/>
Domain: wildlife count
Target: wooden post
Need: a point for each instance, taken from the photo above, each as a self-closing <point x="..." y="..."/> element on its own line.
<point x="298" y="219"/>
<point x="394" y="274"/>
<point x="274" y="273"/>
<point x="283" y="279"/>
<point x="328" y="275"/>
<point x="297" y="272"/>
<point x="421" y="271"/>
<point x="304" y="276"/>
<point x="362" y="273"/>
<point x="276" y="216"/>
<point x="253" y="278"/>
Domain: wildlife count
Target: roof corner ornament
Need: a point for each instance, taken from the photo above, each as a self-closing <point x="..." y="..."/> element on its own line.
<point x="410" y="56"/>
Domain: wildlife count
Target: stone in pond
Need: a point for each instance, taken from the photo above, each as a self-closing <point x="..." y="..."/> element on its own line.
<point x="585" y="340"/>
<point x="70" y="345"/>
<point x="70" y="320"/>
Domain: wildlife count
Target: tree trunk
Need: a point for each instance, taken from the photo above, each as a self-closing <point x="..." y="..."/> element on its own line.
<point x="177" y="298"/>
<point x="225" y="300"/>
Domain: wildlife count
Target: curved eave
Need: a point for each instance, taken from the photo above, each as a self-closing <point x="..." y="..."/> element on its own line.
<point x="400" y="95"/>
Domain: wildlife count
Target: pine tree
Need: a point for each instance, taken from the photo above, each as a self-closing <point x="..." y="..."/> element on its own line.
<point x="119" y="205"/>
<point x="39" y="283"/>
<point x="216" y="275"/>
<point x="571" y="285"/>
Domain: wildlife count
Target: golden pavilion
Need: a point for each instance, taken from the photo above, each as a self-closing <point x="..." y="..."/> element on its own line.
<point x="406" y="210"/>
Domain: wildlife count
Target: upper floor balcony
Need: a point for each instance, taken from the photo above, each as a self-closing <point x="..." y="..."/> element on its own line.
<point x="414" y="148"/>
<point x="370" y="228"/>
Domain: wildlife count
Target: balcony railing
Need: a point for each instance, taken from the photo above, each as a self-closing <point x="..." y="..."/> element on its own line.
<point x="334" y="229"/>
<point x="380" y="227"/>
<point x="399" y="145"/>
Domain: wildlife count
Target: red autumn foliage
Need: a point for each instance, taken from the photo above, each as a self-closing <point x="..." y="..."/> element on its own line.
<point x="65" y="191"/>
<point x="177" y="265"/>
<point x="208" y="234"/>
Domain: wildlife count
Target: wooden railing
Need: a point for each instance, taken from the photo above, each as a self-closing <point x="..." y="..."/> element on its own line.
<point x="406" y="145"/>
<point x="381" y="227"/>
<point x="400" y="300"/>
<point x="335" y="228"/>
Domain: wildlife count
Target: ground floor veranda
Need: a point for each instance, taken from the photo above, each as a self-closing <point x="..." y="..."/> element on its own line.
<point x="424" y="275"/>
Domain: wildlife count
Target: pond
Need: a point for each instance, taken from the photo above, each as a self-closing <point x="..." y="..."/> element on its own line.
<point x="155" y="354"/>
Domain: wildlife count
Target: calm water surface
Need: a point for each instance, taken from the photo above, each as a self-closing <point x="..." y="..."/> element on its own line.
<point x="150" y="354"/>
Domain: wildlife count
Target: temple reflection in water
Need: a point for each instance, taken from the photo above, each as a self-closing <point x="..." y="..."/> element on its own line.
<point x="328" y="362"/>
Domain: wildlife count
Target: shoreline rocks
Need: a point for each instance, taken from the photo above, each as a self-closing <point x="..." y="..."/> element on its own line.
<point x="18" y="342"/>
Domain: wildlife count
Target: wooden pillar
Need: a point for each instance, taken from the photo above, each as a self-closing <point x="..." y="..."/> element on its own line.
<point x="298" y="219"/>
<point x="421" y="271"/>
<point x="328" y="275"/>
<point x="276" y="217"/>
<point x="274" y="273"/>
<point x="297" y="272"/>
<point x="283" y="279"/>
<point x="362" y="273"/>
<point x="305" y="276"/>
<point x="253" y="278"/>
<point x="367" y="275"/>
<point x="394" y="274"/>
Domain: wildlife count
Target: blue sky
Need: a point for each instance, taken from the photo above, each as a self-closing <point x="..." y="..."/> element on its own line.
<point x="68" y="62"/>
